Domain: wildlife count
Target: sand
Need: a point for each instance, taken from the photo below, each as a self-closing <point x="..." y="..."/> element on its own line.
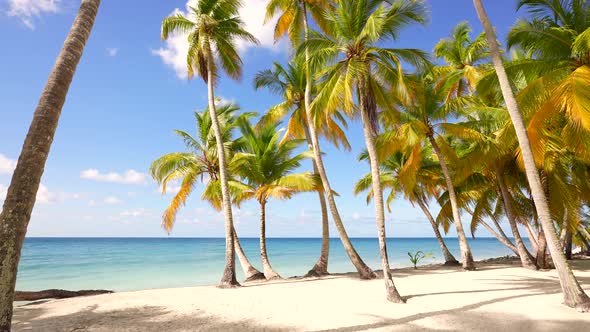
<point x="497" y="297"/>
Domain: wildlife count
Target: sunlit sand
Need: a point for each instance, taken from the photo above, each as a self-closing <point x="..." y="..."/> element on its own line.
<point x="497" y="297"/>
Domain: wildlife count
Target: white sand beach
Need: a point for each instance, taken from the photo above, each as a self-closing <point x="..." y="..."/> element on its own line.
<point x="496" y="297"/>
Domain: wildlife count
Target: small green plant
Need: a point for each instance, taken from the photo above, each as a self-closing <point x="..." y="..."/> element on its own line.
<point x="415" y="258"/>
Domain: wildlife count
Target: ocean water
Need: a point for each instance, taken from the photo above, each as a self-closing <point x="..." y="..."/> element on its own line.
<point x="141" y="263"/>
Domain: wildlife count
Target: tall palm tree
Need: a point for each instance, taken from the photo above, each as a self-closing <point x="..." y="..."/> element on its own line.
<point x="464" y="61"/>
<point x="422" y="114"/>
<point x="574" y="295"/>
<point x="22" y="192"/>
<point x="267" y="167"/>
<point x="213" y="27"/>
<point x="292" y="20"/>
<point x="289" y="83"/>
<point x="410" y="174"/>
<point x="201" y="163"/>
<point x="356" y="62"/>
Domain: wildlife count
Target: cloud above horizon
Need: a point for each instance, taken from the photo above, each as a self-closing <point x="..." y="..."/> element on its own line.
<point x="175" y="49"/>
<point x="128" y="177"/>
<point x="112" y="200"/>
<point x="44" y="195"/>
<point x="112" y="51"/>
<point x="30" y="10"/>
<point x="7" y="165"/>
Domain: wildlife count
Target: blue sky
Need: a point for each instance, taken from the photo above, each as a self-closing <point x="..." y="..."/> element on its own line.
<point x="128" y="95"/>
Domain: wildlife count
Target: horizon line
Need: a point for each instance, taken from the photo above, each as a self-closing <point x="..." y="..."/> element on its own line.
<point x="245" y="237"/>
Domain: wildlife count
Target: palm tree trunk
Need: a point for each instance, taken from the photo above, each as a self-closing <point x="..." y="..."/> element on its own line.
<point x="364" y="271"/>
<point x="568" y="243"/>
<point x="392" y="293"/>
<point x="526" y="258"/>
<point x="585" y="236"/>
<point x="269" y="273"/>
<point x="584" y="240"/>
<point x="250" y="272"/>
<point x="504" y="240"/>
<point x="574" y="295"/>
<point x="449" y="258"/>
<point x="562" y="236"/>
<point x="542" y="262"/>
<point x="228" y="279"/>
<point x="321" y="266"/>
<point x="466" y="255"/>
<point x="21" y="195"/>
<point x="501" y="231"/>
<point x="531" y="234"/>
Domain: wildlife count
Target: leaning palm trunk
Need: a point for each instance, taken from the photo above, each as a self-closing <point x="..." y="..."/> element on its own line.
<point x="584" y="233"/>
<point x="584" y="238"/>
<point x="574" y="295"/>
<point x="228" y="279"/>
<point x="21" y="195"/>
<point x="526" y="258"/>
<point x="466" y="255"/>
<point x="269" y="273"/>
<point x="531" y="234"/>
<point x="321" y="266"/>
<point x="392" y="293"/>
<point x="504" y="240"/>
<point x="250" y="272"/>
<point x="449" y="258"/>
<point x="364" y="271"/>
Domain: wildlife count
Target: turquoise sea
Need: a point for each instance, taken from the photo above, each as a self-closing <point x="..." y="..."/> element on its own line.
<point x="141" y="263"/>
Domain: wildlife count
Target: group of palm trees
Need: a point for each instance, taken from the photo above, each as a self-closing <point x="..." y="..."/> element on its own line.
<point x="483" y="133"/>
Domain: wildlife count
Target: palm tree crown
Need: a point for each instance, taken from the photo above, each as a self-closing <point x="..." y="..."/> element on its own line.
<point x="212" y="28"/>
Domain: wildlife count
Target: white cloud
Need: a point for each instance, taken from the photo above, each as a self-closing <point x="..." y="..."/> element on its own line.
<point x="137" y="213"/>
<point x="173" y="54"/>
<point x="128" y="177"/>
<point x="356" y="216"/>
<point x="112" y="51"/>
<point x="172" y="188"/>
<point x="44" y="195"/>
<point x="112" y="200"/>
<point x="28" y="10"/>
<point x="221" y="100"/>
<point x="3" y="190"/>
<point x="7" y="165"/>
<point x="253" y="13"/>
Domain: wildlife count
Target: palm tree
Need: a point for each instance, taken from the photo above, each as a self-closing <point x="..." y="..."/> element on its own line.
<point x="294" y="19"/>
<point x="465" y="61"/>
<point x="574" y="295"/>
<point x="355" y="62"/>
<point x="410" y="174"/>
<point x="266" y="165"/>
<point x="201" y="163"/>
<point x="491" y="155"/>
<point x="423" y="113"/>
<point x="213" y="28"/>
<point x="22" y="192"/>
<point x="289" y="83"/>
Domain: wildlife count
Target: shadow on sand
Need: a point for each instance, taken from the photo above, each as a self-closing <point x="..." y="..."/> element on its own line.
<point x="148" y="318"/>
<point x="467" y="317"/>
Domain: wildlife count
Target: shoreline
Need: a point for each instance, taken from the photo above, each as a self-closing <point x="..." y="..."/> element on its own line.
<point x="500" y="295"/>
<point x="509" y="259"/>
